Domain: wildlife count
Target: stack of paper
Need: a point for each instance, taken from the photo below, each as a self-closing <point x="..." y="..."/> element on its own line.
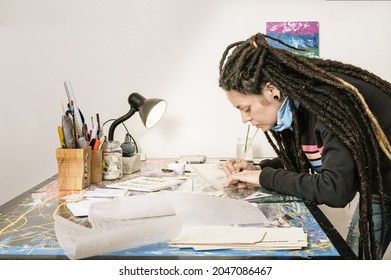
<point x="240" y="238"/>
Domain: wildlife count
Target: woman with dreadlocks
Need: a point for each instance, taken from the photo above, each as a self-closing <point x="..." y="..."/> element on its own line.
<point x="329" y="124"/>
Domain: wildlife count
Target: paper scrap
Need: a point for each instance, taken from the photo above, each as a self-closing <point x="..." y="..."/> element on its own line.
<point x="80" y="208"/>
<point x="257" y="195"/>
<point x="147" y="184"/>
<point x="105" y="192"/>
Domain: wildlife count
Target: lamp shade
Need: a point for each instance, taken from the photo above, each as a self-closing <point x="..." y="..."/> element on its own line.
<point x="152" y="111"/>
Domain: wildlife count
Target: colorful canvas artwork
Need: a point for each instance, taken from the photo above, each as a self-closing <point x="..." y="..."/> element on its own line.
<point x="299" y="34"/>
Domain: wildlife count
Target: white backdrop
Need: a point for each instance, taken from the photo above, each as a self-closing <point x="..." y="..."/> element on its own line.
<point x="159" y="48"/>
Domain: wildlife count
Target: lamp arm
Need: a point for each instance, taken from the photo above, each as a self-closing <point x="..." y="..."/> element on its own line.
<point x="120" y="120"/>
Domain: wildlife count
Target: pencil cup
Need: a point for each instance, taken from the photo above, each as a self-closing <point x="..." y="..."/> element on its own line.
<point x="73" y="168"/>
<point x="244" y="150"/>
<point x="112" y="160"/>
<point x="96" y="166"/>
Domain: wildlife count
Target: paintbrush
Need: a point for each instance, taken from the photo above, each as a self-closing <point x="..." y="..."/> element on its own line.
<point x="245" y="143"/>
<point x="252" y="139"/>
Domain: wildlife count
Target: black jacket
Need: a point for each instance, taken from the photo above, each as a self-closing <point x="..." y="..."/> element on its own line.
<point x="335" y="183"/>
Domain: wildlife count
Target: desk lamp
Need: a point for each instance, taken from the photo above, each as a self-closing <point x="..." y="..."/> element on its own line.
<point x="150" y="110"/>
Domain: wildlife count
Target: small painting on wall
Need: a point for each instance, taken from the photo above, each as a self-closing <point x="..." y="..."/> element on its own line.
<point x="299" y="34"/>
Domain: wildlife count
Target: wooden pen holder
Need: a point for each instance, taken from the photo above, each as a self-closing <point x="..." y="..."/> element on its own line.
<point x="96" y="166"/>
<point x="73" y="168"/>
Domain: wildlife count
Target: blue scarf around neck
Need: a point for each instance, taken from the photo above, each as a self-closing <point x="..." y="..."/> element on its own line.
<point x="284" y="116"/>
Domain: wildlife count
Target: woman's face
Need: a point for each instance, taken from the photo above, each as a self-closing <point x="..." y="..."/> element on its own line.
<point x="259" y="110"/>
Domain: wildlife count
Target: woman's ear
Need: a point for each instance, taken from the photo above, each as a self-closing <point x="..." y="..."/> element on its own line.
<point x="272" y="92"/>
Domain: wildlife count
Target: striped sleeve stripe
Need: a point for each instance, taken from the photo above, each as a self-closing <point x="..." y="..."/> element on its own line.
<point x="312" y="148"/>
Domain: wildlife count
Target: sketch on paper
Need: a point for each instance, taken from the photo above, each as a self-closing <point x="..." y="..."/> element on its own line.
<point x="299" y="34"/>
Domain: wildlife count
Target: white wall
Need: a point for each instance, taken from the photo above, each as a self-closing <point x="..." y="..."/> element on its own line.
<point x="159" y="48"/>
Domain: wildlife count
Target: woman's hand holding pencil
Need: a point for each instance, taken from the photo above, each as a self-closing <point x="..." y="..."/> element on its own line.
<point x="241" y="172"/>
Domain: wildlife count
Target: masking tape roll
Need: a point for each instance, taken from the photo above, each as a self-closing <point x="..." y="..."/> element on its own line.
<point x="176" y="166"/>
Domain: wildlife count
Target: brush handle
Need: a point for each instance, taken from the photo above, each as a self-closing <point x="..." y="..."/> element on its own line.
<point x="76" y="112"/>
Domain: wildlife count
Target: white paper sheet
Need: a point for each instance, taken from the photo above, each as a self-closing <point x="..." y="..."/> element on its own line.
<point x="80" y="208"/>
<point x="105" y="192"/>
<point x="211" y="173"/>
<point x="129" y="222"/>
<point x="81" y="242"/>
<point x="128" y="210"/>
<point x="209" y="210"/>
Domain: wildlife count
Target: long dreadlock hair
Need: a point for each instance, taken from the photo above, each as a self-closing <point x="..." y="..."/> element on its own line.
<point x="255" y="62"/>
